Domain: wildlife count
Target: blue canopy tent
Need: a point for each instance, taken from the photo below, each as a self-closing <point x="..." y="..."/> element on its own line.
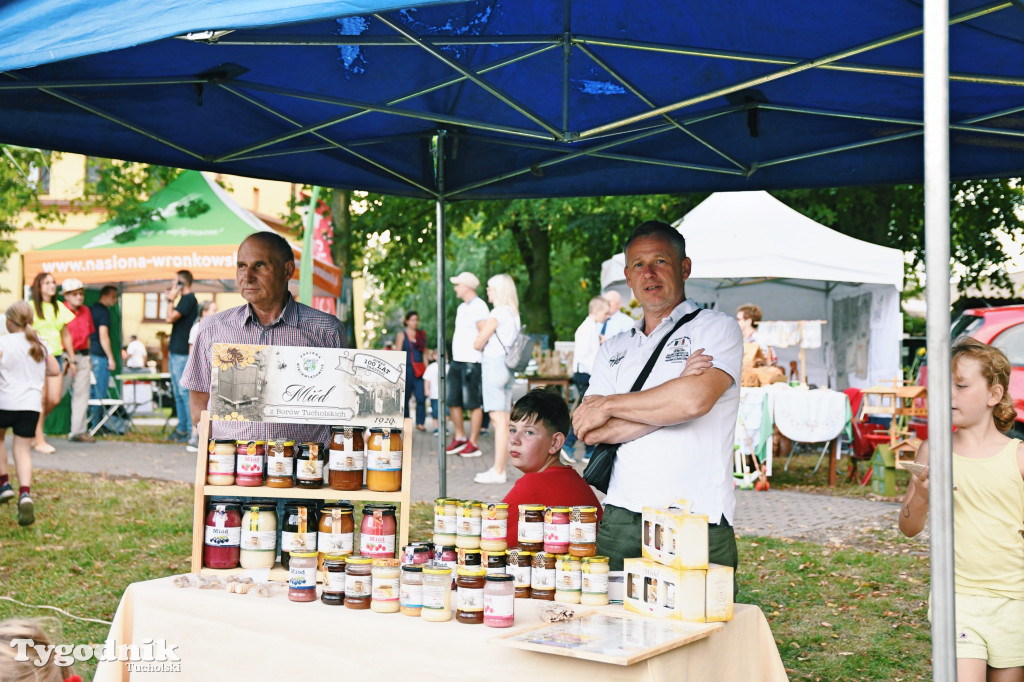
<point x="529" y="98"/>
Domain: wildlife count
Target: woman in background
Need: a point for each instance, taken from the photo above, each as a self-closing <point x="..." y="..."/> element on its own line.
<point x="206" y="309"/>
<point x="51" y="321"/>
<point x="497" y="334"/>
<point x="413" y="341"/>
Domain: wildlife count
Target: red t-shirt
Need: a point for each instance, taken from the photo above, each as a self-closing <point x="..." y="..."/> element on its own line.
<point x="81" y="327"/>
<point x="556" y="485"/>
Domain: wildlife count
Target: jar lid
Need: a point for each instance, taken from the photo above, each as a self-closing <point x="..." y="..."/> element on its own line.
<point x="223" y="506"/>
<point x="302" y="555"/>
<point x="470" y="551"/>
<point x="499" y="578"/>
<point x="560" y="510"/>
<point x="338" y="428"/>
<point x="444" y="500"/>
<point x="434" y="569"/>
<point x="247" y="442"/>
<point x="525" y="552"/>
<point x="586" y="510"/>
<point x="259" y="506"/>
<point x="471" y="571"/>
<point x="533" y="507"/>
<point x="493" y="506"/>
<point x="595" y="560"/>
<point x="386" y="563"/>
<point x="568" y="559"/>
<point x="381" y="429"/>
<point x="339" y="558"/>
<point x="413" y="568"/>
<point x="377" y="506"/>
<point x="469" y="504"/>
<point x="496" y="552"/>
<point x="446" y="548"/>
<point x="295" y="504"/>
<point x="282" y="442"/>
<point x="359" y="559"/>
<point x="345" y="507"/>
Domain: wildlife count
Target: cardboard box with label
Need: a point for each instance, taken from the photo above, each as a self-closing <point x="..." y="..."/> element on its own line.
<point x="694" y="595"/>
<point x="674" y="537"/>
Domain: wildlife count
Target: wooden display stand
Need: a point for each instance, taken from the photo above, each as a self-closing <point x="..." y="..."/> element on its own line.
<point x="203" y="492"/>
<point x="897" y="402"/>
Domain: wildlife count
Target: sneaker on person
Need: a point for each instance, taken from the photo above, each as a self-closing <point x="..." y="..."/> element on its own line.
<point x="565" y="456"/>
<point x="490" y="476"/>
<point x="178" y="437"/>
<point x="82" y="438"/>
<point x="470" y="450"/>
<point x="456" y="445"/>
<point x="26" y="511"/>
<point x="6" y="493"/>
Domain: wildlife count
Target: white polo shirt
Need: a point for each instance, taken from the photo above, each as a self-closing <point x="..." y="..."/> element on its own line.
<point x="693" y="460"/>
<point x="466" y="331"/>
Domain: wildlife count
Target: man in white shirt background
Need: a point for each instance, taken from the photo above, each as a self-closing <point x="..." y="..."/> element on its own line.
<point x="587" y="341"/>
<point x="617" y="321"/>
<point x="465" y="390"/>
<point x="136" y="355"/>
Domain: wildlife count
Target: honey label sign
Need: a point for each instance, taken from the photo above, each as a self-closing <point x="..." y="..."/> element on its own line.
<point x="301" y="385"/>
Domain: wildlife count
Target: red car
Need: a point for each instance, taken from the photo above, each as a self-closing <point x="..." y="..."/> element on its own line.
<point x="1002" y="327"/>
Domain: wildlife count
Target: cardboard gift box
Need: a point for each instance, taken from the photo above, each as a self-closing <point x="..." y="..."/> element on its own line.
<point x="674" y="537"/>
<point x="694" y="595"/>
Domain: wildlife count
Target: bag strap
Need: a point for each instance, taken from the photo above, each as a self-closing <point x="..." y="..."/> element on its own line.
<point x="639" y="383"/>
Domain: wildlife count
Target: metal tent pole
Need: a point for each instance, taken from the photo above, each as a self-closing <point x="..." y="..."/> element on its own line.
<point x="442" y="374"/>
<point x="936" y="212"/>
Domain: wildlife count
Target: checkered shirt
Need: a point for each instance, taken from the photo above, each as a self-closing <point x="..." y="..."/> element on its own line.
<point x="298" y="325"/>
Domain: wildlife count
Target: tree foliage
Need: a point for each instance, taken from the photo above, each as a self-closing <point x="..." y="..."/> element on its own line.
<point x="22" y="173"/>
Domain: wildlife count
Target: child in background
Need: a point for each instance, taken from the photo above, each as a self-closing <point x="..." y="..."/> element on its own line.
<point x="988" y="516"/>
<point x="31" y="669"/>
<point x="536" y="433"/>
<point x="430" y="379"/>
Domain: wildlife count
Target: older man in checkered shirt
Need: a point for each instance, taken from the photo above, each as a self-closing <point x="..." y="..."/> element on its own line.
<point x="271" y="317"/>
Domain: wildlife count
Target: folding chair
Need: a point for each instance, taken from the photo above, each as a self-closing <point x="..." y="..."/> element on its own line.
<point x="108" y="404"/>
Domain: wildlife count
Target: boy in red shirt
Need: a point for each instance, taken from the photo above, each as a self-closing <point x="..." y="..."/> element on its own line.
<point x="536" y="433"/>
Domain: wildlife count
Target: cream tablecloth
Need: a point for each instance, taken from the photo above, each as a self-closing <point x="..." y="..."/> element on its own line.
<point x="221" y="636"/>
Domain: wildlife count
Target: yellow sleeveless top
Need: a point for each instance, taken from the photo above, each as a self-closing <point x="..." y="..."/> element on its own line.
<point x="988" y="524"/>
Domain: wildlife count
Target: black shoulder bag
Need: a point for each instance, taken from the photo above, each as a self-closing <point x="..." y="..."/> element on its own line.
<point x="599" y="469"/>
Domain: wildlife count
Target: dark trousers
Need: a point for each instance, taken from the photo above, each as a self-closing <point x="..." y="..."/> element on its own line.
<point x="620" y="531"/>
<point x="582" y="383"/>
<point x="414" y="387"/>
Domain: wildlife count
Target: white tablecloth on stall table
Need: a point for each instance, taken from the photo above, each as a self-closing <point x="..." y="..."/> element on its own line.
<point x="221" y="636"/>
<point x="812" y="416"/>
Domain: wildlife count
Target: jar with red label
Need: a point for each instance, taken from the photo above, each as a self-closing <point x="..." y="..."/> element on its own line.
<point x="280" y="463"/>
<point x="220" y="462"/>
<point x="346" y="458"/>
<point x="531" y="527"/>
<point x="499" y="601"/>
<point x="223" y="537"/>
<point x="249" y="460"/>
<point x="415" y="554"/>
<point x="309" y="465"/>
<point x="583" y="531"/>
<point x="298" y="529"/>
<point x="447" y="556"/>
<point x="336" y="530"/>
<point x="377" y="531"/>
<point x="384" y="461"/>
<point x="556" y="530"/>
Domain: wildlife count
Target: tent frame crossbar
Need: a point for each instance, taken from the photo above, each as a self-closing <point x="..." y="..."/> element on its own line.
<point x="618" y="133"/>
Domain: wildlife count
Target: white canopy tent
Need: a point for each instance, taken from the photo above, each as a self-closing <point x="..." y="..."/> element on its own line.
<point x="748" y="247"/>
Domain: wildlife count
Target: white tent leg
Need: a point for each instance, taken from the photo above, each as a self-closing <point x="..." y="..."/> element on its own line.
<point x="936" y="197"/>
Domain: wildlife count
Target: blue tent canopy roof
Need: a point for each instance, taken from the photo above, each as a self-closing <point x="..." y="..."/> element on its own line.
<point x="536" y="97"/>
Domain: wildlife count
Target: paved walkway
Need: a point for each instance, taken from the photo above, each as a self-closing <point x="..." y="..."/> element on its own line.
<point x="820" y="518"/>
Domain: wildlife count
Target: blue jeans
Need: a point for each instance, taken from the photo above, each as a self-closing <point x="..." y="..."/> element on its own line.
<point x="414" y="387"/>
<point x="102" y="385"/>
<point x="181" y="395"/>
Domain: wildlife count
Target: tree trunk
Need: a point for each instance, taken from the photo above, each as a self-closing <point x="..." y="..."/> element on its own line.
<point x="341" y="247"/>
<point x="534" y="242"/>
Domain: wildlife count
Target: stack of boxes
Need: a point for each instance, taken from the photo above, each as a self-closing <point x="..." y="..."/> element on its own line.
<point x="674" y="578"/>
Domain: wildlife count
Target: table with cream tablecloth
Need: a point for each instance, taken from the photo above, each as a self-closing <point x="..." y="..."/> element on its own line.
<point x="222" y="636"/>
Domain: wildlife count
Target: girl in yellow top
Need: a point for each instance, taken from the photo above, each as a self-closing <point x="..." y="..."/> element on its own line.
<point x="51" y="321"/>
<point x="988" y="516"/>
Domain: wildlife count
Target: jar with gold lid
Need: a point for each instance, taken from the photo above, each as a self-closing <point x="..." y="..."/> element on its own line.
<point x="336" y="530"/>
<point x="358" y="581"/>
<point x="220" y="462"/>
<point x="595" y="581"/>
<point x="334" y="580"/>
<point x="583" y="531"/>
<point x="386" y="574"/>
<point x="469" y="597"/>
<point x="494" y="526"/>
<point x="531" y="527"/>
<point x="437" y="590"/>
<point x="250" y="456"/>
<point x="280" y="463"/>
<point x="384" y="461"/>
<point x="542" y="576"/>
<point x="346" y="460"/>
<point x="567" y="579"/>
<point x="556" y="530"/>
<point x="467" y="528"/>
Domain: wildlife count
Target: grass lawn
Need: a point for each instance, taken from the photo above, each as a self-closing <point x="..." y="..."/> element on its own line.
<point x="846" y="613"/>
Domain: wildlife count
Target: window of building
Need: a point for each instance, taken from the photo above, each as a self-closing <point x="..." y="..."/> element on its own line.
<point x="39" y="172"/>
<point x="155" y="308"/>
